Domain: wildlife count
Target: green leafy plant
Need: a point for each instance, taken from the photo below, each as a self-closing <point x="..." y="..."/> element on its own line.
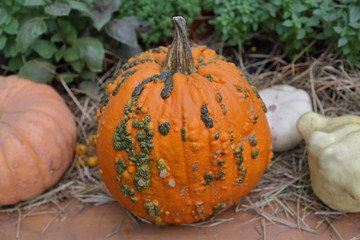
<point x="41" y="37"/>
<point x="237" y="19"/>
<point x="294" y="23"/>
<point x="158" y="14"/>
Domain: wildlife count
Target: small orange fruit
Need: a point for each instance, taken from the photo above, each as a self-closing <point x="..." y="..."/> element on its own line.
<point x="81" y="149"/>
<point x="92" y="140"/>
<point x="92" y="161"/>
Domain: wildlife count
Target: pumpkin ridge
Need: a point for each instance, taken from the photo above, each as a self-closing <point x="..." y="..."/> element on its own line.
<point x="59" y="144"/>
<point x="31" y="151"/>
<point x="231" y="173"/>
<point x="107" y="96"/>
<point x="152" y="158"/>
<point x="164" y="110"/>
<point x="157" y="50"/>
<point x="40" y="92"/>
<point x="209" y="192"/>
<point x="53" y="118"/>
<point x="125" y="76"/>
<point x="139" y="88"/>
<point x="13" y="185"/>
<point x="137" y="92"/>
<point x="188" y="186"/>
<point x="9" y="92"/>
<point x="39" y="100"/>
<point x="50" y="116"/>
<point x="136" y="63"/>
<point x="212" y="194"/>
<point x="218" y="172"/>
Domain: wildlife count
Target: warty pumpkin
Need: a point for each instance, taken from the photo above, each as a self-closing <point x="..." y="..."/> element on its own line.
<point x="181" y="134"/>
<point x="37" y="138"/>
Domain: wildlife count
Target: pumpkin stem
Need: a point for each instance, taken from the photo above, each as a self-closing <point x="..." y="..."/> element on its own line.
<point x="179" y="57"/>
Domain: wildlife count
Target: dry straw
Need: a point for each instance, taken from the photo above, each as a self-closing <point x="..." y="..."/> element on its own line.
<point x="334" y="86"/>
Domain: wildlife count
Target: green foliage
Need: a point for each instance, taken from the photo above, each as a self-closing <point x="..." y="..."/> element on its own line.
<point x="159" y="13"/>
<point x="41" y="37"/>
<point x="294" y="23"/>
<point x="237" y="19"/>
<point x="68" y="37"/>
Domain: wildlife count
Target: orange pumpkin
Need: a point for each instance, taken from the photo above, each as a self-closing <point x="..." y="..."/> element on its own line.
<point x="181" y="134"/>
<point x="37" y="138"/>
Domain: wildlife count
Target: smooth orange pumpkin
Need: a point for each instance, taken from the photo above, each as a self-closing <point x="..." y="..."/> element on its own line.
<point x="181" y="134"/>
<point x="37" y="138"/>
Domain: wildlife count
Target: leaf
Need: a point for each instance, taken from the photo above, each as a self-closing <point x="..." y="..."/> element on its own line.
<point x="55" y="38"/>
<point x="299" y="7"/>
<point x="58" y="9"/>
<point x="2" y="41"/>
<point x="122" y="32"/>
<point x="67" y="76"/>
<point x="82" y="7"/>
<point x="312" y="22"/>
<point x="60" y="53"/>
<point x="90" y="88"/>
<point x="88" y="75"/>
<point x="317" y="12"/>
<point x="104" y="11"/>
<point x="71" y="54"/>
<point x="346" y="49"/>
<point x="78" y="65"/>
<point x="287" y="23"/>
<point x="104" y="5"/>
<point x="34" y="3"/>
<point x="125" y="52"/>
<point x="13" y="27"/>
<point x="44" y="48"/>
<point x="68" y="30"/>
<point x="279" y="28"/>
<point x="342" y="42"/>
<point x="100" y="18"/>
<point x="3" y="16"/>
<point x="300" y="34"/>
<point x="28" y="32"/>
<point x="138" y="24"/>
<point x="355" y="25"/>
<point x="354" y="14"/>
<point x="10" y="50"/>
<point x="37" y="70"/>
<point x="91" y="51"/>
<point x="338" y="30"/>
<point x="15" y="63"/>
<point x="272" y="8"/>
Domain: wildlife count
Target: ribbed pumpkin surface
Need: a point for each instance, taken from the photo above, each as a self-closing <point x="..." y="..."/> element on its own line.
<point x="181" y="134"/>
<point x="37" y="138"/>
<point x="193" y="169"/>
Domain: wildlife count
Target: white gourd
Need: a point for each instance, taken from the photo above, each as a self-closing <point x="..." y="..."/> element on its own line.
<point x="285" y="105"/>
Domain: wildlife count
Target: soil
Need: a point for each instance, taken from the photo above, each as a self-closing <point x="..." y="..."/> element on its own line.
<point x="75" y="220"/>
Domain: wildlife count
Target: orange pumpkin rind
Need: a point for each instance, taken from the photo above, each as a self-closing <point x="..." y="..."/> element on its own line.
<point x="177" y="147"/>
